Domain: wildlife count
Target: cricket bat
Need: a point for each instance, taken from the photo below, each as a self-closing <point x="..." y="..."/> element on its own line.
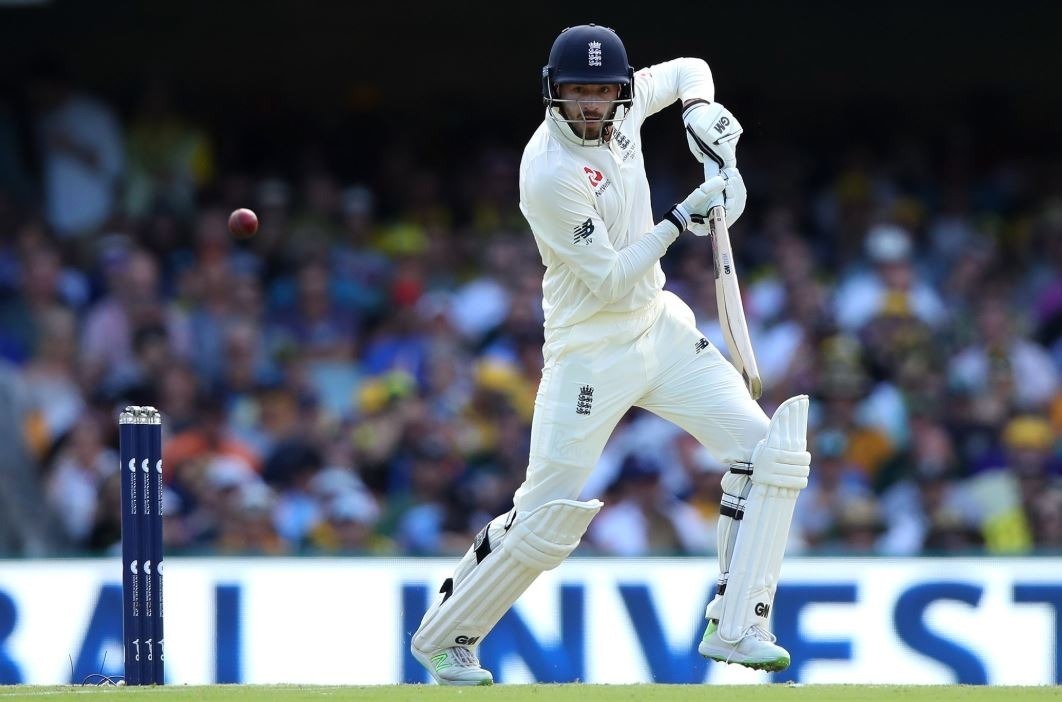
<point x="731" y="311"/>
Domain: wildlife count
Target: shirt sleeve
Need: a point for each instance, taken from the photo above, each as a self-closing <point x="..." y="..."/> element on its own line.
<point x="564" y="220"/>
<point x="659" y="85"/>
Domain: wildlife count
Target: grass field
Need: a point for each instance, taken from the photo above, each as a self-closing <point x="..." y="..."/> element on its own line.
<point x="543" y="693"/>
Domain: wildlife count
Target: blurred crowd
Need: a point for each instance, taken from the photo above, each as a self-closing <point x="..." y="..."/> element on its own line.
<point x="359" y="376"/>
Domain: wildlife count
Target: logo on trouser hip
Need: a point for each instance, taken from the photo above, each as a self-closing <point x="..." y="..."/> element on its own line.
<point x="762" y="609"/>
<point x="586" y="399"/>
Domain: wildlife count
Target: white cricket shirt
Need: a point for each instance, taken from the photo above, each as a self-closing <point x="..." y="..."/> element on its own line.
<point x="589" y="206"/>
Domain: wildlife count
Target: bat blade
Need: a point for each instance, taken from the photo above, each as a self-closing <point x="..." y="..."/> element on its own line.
<point x="731" y="310"/>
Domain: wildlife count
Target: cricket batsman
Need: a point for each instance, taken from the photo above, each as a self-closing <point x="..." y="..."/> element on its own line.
<point x="615" y="339"/>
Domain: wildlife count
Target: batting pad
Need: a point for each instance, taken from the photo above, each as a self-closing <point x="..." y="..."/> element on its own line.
<point x="736" y="485"/>
<point x="780" y="466"/>
<point x="506" y="558"/>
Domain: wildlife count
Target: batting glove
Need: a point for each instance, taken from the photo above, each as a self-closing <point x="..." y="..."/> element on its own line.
<point x="712" y="133"/>
<point x="692" y="213"/>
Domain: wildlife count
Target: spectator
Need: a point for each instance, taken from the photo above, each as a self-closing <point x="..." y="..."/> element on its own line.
<point x="361" y="271"/>
<point x="138" y="380"/>
<point x="1002" y="364"/>
<point x="922" y="491"/>
<point x="422" y="525"/>
<point x="1014" y="498"/>
<point x="315" y="324"/>
<point x="832" y="487"/>
<point x="132" y="303"/>
<point x="42" y="286"/>
<point x="169" y="160"/>
<point x="892" y="283"/>
<point x="204" y="487"/>
<point x="843" y="387"/>
<point x="858" y="529"/>
<point x="640" y="518"/>
<point x="81" y="470"/>
<point x="209" y="438"/>
<point x="81" y="153"/>
<point x="247" y="523"/>
<point x="348" y="525"/>
<point x="53" y="395"/>
<point x="105" y="537"/>
<point x="290" y="469"/>
<point x="705" y="491"/>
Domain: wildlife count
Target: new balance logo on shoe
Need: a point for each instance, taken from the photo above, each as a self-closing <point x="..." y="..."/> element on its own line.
<point x="586" y="399"/>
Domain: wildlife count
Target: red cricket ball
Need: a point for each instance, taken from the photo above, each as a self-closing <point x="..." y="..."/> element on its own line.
<point x="243" y="222"/>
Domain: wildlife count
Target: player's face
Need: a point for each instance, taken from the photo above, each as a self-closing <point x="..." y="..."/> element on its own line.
<point x="590" y="104"/>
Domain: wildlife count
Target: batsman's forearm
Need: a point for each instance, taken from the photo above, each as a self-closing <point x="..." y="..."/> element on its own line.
<point x="634" y="261"/>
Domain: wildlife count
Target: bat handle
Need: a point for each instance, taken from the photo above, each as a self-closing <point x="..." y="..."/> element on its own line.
<point x="717" y="217"/>
<point x="711" y="170"/>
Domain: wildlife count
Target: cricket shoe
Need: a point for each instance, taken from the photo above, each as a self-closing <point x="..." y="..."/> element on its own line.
<point x="456" y="665"/>
<point x="756" y="650"/>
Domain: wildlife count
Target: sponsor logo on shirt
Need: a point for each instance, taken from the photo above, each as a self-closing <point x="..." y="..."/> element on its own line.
<point x="597" y="179"/>
<point x="582" y="233"/>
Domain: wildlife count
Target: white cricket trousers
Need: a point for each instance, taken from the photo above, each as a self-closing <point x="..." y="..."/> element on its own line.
<point x="654" y="358"/>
